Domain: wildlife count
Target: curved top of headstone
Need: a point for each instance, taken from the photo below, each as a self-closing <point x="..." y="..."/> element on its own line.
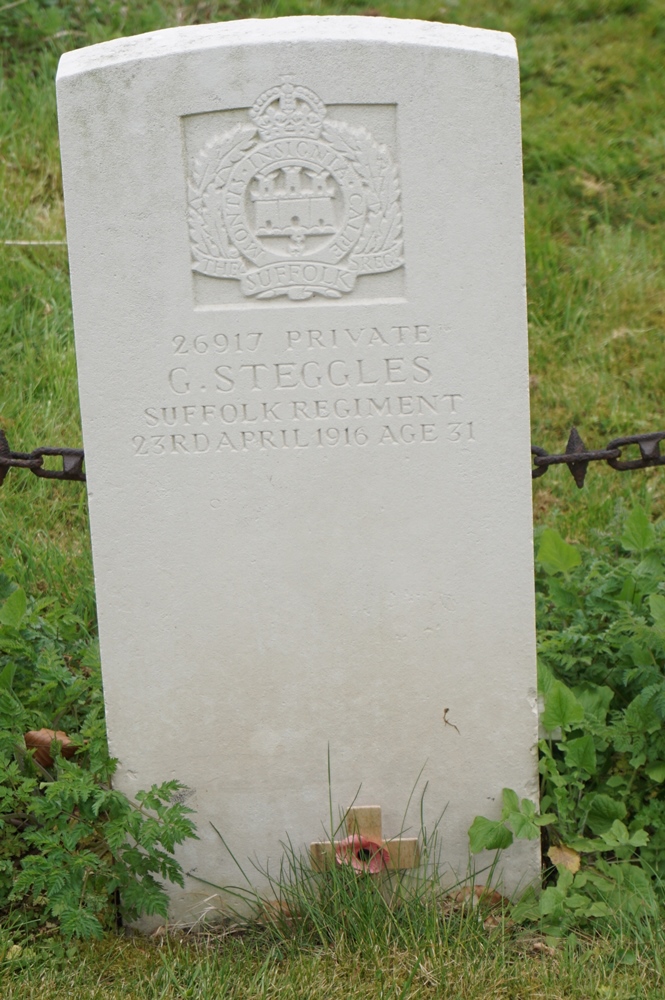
<point x="282" y="30"/>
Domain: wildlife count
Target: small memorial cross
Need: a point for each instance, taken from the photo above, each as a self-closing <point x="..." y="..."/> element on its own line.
<point x="364" y="847"/>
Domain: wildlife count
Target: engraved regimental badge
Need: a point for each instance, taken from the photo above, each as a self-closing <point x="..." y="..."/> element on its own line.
<point x="293" y="203"/>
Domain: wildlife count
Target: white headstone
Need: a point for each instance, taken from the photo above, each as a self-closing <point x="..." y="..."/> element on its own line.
<point x="298" y="278"/>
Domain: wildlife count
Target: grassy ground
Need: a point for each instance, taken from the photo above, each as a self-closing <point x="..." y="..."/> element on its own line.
<point x="593" y="82"/>
<point x="467" y="967"/>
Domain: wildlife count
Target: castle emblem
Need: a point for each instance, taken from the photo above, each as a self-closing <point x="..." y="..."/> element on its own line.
<point x="294" y="204"/>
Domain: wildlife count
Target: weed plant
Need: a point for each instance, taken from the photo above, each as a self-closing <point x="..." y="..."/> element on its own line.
<point x="601" y="642"/>
<point x="71" y="848"/>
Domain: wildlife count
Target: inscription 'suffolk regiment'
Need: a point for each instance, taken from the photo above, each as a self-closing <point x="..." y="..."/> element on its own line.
<point x="294" y="204"/>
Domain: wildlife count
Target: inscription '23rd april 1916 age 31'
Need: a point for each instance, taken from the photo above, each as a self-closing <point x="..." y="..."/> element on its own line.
<point x="305" y="395"/>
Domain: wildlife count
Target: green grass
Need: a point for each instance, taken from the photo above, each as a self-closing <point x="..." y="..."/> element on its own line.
<point x="344" y="942"/>
<point x="469" y="966"/>
<point x="339" y="938"/>
<point x="593" y="86"/>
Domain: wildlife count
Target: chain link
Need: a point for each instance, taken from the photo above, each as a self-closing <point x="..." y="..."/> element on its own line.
<point x="577" y="457"/>
<point x="72" y="462"/>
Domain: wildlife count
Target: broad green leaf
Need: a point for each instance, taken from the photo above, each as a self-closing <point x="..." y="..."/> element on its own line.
<point x="602" y="811"/>
<point x="657" y="608"/>
<point x="595" y="699"/>
<point x="545" y="819"/>
<point x="618" y="836"/>
<point x="488" y="835"/>
<point x="555" y="555"/>
<point x="641" y="714"/>
<point x="565" y="879"/>
<point x="585" y="845"/>
<point x="576" y="901"/>
<point x="528" y="808"/>
<point x="656" y="771"/>
<point x="13" y="610"/>
<point x="527" y="908"/>
<point x="628" y="589"/>
<point x="651" y="566"/>
<point x="618" y="832"/>
<point x="545" y="677"/>
<point x="7" y="677"/>
<point x="511" y="802"/>
<point x="520" y="815"/>
<point x="565" y="598"/>
<point x="639" y="653"/>
<point x="551" y="900"/>
<point x="638" y="533"/>
<point x="523" y="827"/>
<point x="632" y="877"/>
<point x="581" y="754"/>
<point x="561" y="708"/>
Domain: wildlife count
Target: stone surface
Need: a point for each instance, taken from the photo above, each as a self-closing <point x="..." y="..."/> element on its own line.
<point x="298" y="279"/>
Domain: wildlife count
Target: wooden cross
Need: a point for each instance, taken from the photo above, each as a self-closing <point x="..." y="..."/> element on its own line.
<point x="364" y="847"/>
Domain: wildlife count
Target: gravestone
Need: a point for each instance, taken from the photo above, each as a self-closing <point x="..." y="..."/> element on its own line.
<point x="297" y="271"/>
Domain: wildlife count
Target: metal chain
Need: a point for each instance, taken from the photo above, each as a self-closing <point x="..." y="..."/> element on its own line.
<point x="576" y="457"/>
<point x="72" y="462"/>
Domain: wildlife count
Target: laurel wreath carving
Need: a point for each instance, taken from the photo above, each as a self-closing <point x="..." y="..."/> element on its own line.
<point x="210" y="244"/>
<point x="211" y="247"/>
<point x="383" y="227"/>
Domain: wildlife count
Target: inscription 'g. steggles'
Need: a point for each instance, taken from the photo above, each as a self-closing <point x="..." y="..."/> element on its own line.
<point x="294" y="204"/>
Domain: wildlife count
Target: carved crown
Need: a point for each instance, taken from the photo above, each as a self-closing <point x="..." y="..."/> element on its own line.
<point x="288" y="110"/>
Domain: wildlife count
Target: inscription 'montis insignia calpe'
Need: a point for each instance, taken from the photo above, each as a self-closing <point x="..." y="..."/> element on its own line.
<point x="294" y="204"/>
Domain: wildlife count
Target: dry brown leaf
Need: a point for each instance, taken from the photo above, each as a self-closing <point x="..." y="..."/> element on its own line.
<point x="591" y="186"/>
<point x="543" y="949"/>
<point x="40" y="741"/>
<point x="480" y="894"/>
<point x="565" y="856"/>
<point x="494" y="920"/>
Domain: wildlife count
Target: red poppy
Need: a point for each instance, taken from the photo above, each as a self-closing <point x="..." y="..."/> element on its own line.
<point x="363" y="854"/>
